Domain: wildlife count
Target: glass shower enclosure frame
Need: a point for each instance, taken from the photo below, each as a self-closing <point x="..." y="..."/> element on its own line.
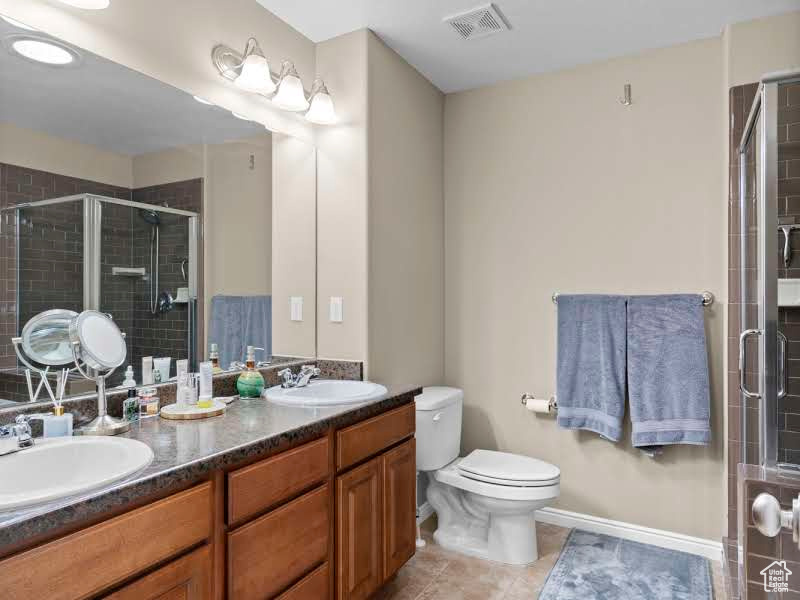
<point x="92" y="255"/>
<point x="764" y="383"/>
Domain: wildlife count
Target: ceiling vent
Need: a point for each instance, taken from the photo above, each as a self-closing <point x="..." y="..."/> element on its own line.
<point x="478" y="22"/>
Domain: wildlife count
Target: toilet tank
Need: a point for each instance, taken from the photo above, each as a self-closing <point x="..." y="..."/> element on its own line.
<point x="438" y="427"/>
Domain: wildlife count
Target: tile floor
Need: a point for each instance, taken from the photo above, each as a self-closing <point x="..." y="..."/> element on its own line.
<point x="438" y="574"/>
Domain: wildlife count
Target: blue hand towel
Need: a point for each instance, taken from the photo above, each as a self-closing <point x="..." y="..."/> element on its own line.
<point x="591" y="363"/>
<point x="240" y="321"/>
<point x="668" y="370"/>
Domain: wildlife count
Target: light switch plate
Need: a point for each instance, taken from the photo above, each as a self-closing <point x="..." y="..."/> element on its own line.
<point x="296" y="308"/>
<point x="336" y="311"/>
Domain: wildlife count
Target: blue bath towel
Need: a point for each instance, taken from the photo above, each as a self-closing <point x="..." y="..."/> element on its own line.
<point x="591" y="363"/>
<point x="668" y="370"/>
<point x="240" y="321"/>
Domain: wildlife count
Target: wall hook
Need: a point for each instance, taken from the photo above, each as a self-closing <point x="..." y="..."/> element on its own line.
<point x="626" y="100"/>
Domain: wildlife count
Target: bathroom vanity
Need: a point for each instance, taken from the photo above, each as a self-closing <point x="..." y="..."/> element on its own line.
<point x="266" y="501"/>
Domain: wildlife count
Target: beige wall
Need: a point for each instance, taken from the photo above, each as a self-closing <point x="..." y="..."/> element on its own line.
<point x="167" y="166"/>
<point x="342" y="199"/>
<point x="406" y="214"/>
<point x="552" y="185"/>
<point x="762" y="46"/>
<point x="172" y="42"/>
<point x="35" y="150"/>
<point x="294" y="231"/>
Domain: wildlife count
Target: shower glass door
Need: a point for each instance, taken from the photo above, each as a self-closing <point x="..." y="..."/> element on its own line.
<point x="147" y="265"/>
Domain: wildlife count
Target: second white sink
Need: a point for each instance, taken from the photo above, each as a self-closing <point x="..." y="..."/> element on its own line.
<point x="326" y="392"/>
<point x="61" y="467"/>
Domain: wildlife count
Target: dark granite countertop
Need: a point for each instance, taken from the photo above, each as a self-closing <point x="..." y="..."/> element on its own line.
<point x="185" y="451"/>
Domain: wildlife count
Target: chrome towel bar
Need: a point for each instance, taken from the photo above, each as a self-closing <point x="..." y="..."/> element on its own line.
<point x="708" y="298"/>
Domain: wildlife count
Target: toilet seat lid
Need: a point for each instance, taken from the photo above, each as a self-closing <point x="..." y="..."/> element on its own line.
<point x="505" y="468"/>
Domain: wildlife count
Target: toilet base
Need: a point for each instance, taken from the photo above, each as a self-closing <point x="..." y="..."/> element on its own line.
<point x="493" y="529"/>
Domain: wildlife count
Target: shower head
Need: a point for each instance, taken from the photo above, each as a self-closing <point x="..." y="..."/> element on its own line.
<point x="150" y="216"/>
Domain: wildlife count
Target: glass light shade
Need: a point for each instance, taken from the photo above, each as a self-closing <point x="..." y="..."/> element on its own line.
<point x="203" y="100"/>
<point x="87" y="4"/>
<point x="321" y="111"/>
<point x="291" y="95"/>
<point x="255" y="75"/>
<point x="43" y="52"/>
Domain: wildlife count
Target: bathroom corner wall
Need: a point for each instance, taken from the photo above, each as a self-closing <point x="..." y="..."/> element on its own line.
<point x="406" y="222"/>
<point x="342" y="203"/>
<point x="552" y="186"/>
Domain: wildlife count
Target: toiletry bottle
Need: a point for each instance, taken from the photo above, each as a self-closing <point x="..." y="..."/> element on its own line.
<point x="148" y="402"/>
<point x="129" y="381"/>
<point x="59" y="424"/>
<point x="250" y="383"/>
<point x="130" y="406"/>
<point x="213" y="357"/>
<point x="204" y="398"/>
<point x="147" y="370"/>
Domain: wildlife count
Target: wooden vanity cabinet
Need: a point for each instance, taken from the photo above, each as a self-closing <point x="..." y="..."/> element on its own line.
<point x="332" y="517"/>
<point x="375" y="503"/>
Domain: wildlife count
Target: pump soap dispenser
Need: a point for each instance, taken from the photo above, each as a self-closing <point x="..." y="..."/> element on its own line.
<point x="250" y="383"/>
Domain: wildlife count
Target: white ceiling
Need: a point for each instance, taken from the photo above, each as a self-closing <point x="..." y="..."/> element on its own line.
<point x="109" y="106"/>
<point x="545" y="35"/>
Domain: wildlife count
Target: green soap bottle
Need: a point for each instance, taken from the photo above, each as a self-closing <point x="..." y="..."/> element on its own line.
<point x="250" y="383"/>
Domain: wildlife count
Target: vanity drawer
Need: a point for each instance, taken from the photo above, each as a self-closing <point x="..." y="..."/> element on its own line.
<point x="268" y="554"/>
<point x="365" y="439"/>
<point x="264" y="484"/>
<point x="314" y="586"/>
<point x="87" y="562"/>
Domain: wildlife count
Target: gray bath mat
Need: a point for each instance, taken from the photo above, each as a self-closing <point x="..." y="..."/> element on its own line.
<point x="601" y="567"/>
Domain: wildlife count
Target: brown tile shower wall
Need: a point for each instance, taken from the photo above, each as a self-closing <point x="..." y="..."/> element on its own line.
<point x="51" y="248"/>
<point x="789" y="213"/>
<point x="51" y="270"/>
<point x="164" y="334"/>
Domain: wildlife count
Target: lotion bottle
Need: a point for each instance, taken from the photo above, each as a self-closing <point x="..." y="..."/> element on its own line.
<point x="250" y="383"/>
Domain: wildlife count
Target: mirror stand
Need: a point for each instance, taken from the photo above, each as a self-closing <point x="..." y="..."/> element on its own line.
<point x="103" y="424"/>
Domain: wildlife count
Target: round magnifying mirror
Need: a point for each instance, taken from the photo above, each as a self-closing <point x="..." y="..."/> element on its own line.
<point x="102" y="345"/>
<point x="45" y="337"/>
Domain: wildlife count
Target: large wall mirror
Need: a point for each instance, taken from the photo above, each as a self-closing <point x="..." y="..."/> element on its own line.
<point x="187" y="224"/>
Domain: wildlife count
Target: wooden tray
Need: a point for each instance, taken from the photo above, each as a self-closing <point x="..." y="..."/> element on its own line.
<point x="188" y="411"/>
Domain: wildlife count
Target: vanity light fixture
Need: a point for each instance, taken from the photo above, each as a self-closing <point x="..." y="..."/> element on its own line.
<point x="240" y="116"/>
<point x="291" y="95"/>
<point x="321" y="111"/>
<point x="43" y="51"/>
<point x="203" y="100"/>
<point x="254" y="75"/>
<point x="87" y="4"/>
<point x="17" y="24"/>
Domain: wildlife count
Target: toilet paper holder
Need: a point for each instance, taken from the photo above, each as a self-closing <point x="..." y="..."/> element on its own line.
<point x="526" y="397"/>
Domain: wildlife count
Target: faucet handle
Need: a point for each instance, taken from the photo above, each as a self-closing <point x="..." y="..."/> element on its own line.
<point x="310" y="369"/>
<point x="287" y="376"/>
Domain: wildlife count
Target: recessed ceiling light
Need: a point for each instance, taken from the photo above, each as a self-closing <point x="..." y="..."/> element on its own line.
<point x="17" y="24"/>
<point x="238" y="116"/>
<point x="203" y="100"/>
<point x="43" y="51"/>
<point x="87" y="4"/>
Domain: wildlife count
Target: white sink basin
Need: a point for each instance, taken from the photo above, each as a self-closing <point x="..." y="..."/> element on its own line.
<point x="61" y="467"/>
<point x="326" y="392"/>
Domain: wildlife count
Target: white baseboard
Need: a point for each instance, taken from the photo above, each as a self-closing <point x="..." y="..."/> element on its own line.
<point x="628" y="531"/>
<point x="425" y="511"/>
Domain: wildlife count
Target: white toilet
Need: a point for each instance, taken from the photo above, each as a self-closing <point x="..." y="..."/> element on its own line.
<point x="485" y="502"/>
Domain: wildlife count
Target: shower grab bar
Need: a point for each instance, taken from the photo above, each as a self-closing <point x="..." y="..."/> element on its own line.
<point x="783" y="380"/>
<point x="743" y="362"/>
<point x="708" y="298"/>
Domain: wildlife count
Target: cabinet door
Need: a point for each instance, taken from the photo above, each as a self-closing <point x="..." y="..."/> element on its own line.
<point x="399" y="506"/>
<point x="188" y="578"/>
<point x="359" y="539"/>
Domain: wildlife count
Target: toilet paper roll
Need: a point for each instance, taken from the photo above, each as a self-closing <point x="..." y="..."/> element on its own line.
<point x="539" y="405"/>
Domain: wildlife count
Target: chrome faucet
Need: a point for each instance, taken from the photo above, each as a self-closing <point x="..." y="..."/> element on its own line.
<point x="307" y="372"/>
<point x="17" y="436"/>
